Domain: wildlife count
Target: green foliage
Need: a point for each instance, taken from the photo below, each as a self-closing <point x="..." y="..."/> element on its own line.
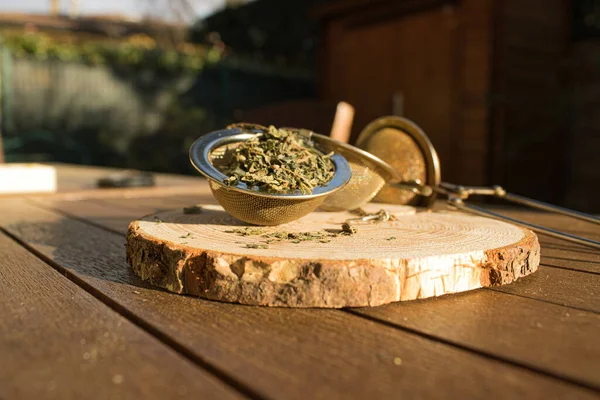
<point x="167" y="149"/>
<point x="138" y="51"/>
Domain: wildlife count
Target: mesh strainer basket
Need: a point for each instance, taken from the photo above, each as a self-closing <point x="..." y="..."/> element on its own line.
<point x="251" y="205"/>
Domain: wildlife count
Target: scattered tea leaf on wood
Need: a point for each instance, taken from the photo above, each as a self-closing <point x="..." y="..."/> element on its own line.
<point x="246" y="231"/>
<point x="348" y="229"/>
<point x="257" y="246"/>
<point x="278" y="161"/>
<point x="192" y="210"/>
<point x="298" y="236"/>
<point x="324" y="236"/>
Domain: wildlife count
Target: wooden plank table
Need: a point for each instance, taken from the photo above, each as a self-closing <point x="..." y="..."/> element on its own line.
<point x="76" y="322"/>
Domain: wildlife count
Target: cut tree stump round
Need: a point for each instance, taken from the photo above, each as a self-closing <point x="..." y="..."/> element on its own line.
<point x="412" y="256"/>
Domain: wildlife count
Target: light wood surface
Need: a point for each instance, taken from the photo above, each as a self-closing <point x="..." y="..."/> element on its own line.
<point x="416" y="255"/>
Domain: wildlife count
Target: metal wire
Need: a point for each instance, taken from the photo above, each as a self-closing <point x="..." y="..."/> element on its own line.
<point x="385" y="134"/>
<point x="457" y="195"/>
<point x="461" y="205"/>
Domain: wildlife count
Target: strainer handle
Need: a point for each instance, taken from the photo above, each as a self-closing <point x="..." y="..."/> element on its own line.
<point x="461" y="205"/>
<point x="457" y="195"/>
<point x="463" y="192"/>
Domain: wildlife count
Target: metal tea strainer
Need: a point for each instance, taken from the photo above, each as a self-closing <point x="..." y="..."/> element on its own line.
<point x="251" y="205"/>
<point x="370" y="174"/>
<point x="402" y="144"/>
<point x="359" y="177"/>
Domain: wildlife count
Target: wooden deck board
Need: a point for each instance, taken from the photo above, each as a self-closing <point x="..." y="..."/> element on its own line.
<point x="569" y="256"/>
<point x="103" y="214"/>
<point x="559" y="286"/>
<point x="277" y="351"/>
<point x="57" y="341"/>
<point x="161" y="203"/>
<point x="560" y="253"/>
<point x="544" y="336"/>
<point x="74" y="178"/>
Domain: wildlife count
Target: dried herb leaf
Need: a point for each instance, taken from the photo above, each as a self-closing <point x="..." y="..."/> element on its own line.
<point x="257" y="246"/>
<point x="324" y="236"/>
<point x="192" y="210"/>
<point x="278" y="161"/>
<point x="246" y="231"/>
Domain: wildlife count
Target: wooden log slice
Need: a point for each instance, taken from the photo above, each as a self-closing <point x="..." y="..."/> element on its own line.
<point x="415" y="256"/>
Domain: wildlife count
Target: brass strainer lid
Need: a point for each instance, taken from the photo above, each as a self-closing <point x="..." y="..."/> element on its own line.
<point x="405" y="147"/>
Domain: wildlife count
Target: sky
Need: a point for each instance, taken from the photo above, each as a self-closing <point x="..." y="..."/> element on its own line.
<point x="131" y="8"/>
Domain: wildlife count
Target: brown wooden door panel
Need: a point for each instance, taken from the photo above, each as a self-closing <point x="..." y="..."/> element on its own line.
<point x="414" y="55"/>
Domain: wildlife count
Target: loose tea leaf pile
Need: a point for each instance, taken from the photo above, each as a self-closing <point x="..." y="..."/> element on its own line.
<point x="278" y="161"/>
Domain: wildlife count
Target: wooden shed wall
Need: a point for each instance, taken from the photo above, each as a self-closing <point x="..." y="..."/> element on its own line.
<point x="437" y="57"/>
<point x="528" y="131"/>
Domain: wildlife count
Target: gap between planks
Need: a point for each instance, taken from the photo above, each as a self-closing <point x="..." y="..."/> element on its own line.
<point x="515" y="363"/>
<point x="467" y="348"/>
<point x="545" y="264"/>
<point x="64" y="341"/>
<point x="554" y="303"/>
<point x="137" y="321"/>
